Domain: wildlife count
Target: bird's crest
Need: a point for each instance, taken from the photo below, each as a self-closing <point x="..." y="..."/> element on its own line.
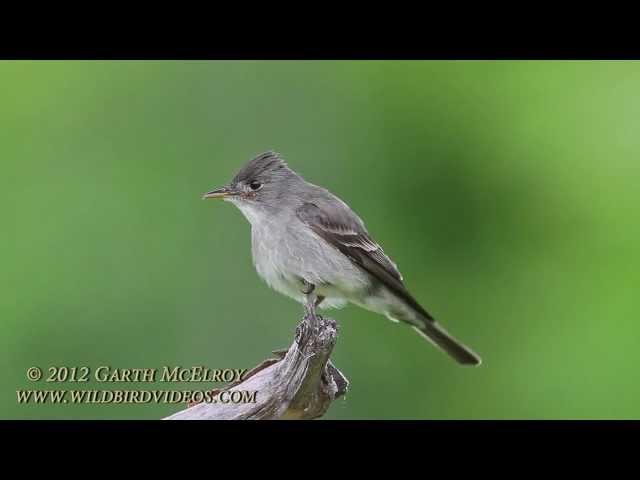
<point x="267" y="163"/>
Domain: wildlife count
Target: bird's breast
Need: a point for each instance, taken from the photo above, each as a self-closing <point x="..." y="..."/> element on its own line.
<point x="272" y="262"/>
<point x="284" y="252"/>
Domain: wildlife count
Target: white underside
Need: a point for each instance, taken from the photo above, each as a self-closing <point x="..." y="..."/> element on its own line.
<point x="284" y="251"/>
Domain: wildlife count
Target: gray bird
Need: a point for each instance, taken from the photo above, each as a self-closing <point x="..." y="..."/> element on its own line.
<point x="309" y="245"/>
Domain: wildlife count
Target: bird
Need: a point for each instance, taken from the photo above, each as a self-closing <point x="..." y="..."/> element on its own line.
<point x="309" y="245"/>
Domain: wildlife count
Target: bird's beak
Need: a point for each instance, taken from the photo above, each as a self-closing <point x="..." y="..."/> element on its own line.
<point x="219" y="193"/>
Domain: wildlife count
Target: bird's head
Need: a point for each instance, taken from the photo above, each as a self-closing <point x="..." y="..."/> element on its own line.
<point x="260" y="186"/>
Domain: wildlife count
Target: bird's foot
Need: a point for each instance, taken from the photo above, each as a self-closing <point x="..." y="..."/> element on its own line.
<point x="307" y="288"/>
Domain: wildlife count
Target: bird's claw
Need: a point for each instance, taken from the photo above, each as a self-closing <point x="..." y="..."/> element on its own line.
<point x="307" y="288"/>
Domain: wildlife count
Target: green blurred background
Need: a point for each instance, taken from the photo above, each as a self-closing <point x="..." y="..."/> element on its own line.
<point x="507" y="192"/>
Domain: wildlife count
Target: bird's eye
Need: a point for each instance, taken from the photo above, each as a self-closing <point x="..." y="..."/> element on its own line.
<point x="255" y="185"/>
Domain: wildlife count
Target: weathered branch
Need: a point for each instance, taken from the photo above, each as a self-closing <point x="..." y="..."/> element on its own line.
<point x="299" y="384"/>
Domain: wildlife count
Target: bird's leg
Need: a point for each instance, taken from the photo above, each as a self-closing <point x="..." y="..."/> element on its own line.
<point x="312" y="301"/>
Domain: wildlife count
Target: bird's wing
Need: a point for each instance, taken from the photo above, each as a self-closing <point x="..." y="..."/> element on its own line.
<point x="345" y="231"/>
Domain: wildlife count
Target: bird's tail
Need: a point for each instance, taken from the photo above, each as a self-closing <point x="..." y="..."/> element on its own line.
<point x="437" y="335"/>
<point x="401" y="306"/>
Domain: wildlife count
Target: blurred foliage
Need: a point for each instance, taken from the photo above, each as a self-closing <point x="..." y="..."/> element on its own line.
<point x="507" y="192"/>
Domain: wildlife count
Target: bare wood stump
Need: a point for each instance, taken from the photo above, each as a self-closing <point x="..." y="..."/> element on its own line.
<point x="299" y="384"/>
